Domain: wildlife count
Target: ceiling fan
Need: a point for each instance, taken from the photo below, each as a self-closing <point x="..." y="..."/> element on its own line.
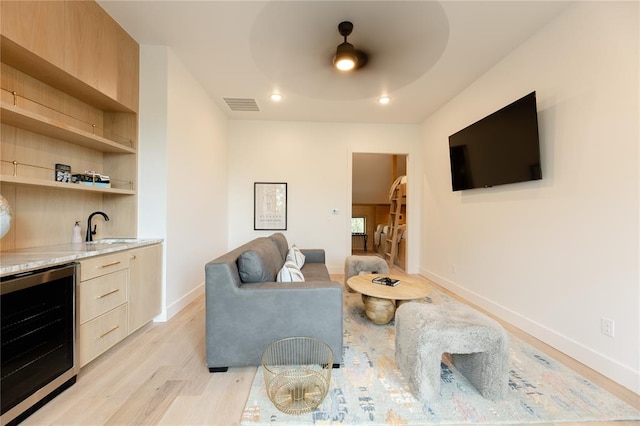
<point x="347" y="57"/>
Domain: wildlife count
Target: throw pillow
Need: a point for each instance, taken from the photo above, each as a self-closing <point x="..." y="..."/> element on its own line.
<point x="260" y="263"/>
<point x="290" y="273"/>
<point x="296" y="256"/>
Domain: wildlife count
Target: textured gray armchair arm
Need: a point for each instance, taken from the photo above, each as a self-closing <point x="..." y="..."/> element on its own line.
<point x="242" y="319"/>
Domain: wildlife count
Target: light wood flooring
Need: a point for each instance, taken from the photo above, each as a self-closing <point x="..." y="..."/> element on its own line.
<point x="158" y="376"/>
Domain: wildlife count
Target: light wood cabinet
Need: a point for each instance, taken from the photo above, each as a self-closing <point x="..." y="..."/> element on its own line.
<point x="69" y="95"/>
<point x="102" y="333"/>
<point x="145" y="285"/>
<point x="116" y="295"/>
<point x="98" y="266"/>
<point x="128" y="84"/>
<point x="91" y="46"/>
<point x="98" y="51"/>
<point x="101" y="300"/>
<point x="102" y="294"/>
<point x="20" y="18"/>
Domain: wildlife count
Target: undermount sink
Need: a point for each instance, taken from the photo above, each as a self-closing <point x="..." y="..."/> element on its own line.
<point x="114" y="241"/>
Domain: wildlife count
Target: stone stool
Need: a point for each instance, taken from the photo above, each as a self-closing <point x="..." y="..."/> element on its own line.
<point x="354" y="265"/>
<point x="478" y="345"/>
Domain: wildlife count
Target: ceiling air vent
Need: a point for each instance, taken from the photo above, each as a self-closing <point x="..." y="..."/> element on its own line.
<point x="242" y="104"/>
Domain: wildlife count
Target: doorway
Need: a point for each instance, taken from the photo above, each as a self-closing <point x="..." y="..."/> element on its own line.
<point x="372" y="177"/>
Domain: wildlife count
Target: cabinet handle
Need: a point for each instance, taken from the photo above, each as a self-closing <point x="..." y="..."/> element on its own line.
<point x="109" y="331"/>
<point x="115" y="290"/>
<point x="109" y="264"/>
<point x="133" y="257"/>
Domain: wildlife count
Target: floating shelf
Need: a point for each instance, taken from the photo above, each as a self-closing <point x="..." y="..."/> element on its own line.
<point x="37" y="123"/>
<point x="17" y="180"/>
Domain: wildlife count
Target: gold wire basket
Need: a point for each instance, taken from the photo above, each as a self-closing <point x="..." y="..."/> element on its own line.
<point x="297" y="373"/>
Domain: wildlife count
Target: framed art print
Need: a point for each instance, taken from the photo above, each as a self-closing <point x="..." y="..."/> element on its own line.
<point x="270" y="206"/>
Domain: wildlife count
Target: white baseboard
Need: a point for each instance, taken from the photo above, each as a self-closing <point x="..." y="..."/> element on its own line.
<point x="604" y="365"/>
<point x="162" y="317"/>
<point x="171" y="310"/>
<point x="335" y="270"/>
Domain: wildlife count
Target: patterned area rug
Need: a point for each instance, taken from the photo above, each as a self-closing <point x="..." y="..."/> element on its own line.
<point x="370" y="390"/>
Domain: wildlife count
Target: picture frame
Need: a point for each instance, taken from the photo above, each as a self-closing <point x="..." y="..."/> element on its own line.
<point x="270" y="206"/>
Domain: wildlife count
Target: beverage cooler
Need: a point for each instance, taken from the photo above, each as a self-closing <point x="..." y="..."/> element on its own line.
<point x="38" y="356"/>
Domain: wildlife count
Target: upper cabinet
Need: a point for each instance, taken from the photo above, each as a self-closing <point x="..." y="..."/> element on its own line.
<point x="98" y="51"/>
<point x="91" y="48"/>
<point x="128" y="70"/>
<point x="19" y="18"/>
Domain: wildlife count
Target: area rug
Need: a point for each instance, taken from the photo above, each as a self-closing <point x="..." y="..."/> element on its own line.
<point x="369" y="389"/>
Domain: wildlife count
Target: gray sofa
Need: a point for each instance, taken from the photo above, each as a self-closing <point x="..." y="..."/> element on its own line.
<point x="246" y="309"/>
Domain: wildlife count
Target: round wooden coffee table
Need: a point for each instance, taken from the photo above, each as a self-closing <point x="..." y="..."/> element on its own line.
<point x="380" y="300"/>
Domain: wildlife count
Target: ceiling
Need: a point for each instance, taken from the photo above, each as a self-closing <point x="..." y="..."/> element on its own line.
<point x="421" y="53"/>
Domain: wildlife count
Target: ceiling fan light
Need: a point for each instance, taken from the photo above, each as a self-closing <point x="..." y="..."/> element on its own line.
<point x="346" y="57"/>
<point x="345" y="64"/>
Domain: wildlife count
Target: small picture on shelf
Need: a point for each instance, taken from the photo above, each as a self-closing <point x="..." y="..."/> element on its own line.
<point x="63" y="173"/>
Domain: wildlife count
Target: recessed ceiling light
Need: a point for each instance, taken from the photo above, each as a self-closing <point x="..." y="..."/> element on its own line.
<point x="384" y="100"/>
<point x="276" y="97"/>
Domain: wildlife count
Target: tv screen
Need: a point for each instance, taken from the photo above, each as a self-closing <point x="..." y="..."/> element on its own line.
<point x="499" y="149"/>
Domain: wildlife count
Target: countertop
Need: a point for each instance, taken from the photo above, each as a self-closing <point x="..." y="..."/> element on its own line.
<point x="26" y="259"/>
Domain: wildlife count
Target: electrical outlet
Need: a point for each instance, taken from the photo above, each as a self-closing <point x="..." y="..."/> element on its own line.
<point x="607" y="327"/>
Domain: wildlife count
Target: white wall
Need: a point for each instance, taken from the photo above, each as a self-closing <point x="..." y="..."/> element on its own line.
<point x="152" y="145"/>
<point x="553" y="256"/>
<point x="183" y="166"/>
<point x="315" y="160"/>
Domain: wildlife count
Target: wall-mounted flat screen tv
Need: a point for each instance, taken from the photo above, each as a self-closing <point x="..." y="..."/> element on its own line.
<point x="501" y="148"/>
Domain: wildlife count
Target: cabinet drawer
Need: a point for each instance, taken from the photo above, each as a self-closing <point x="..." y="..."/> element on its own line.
<point x="101" y="294"/>
<point x="96" y="266"/>
<point x="99" y="334"/>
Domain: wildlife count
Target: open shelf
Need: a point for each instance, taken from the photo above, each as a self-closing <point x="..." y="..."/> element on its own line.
<point x="17" y="180"/>
<point x="37" y="123"/>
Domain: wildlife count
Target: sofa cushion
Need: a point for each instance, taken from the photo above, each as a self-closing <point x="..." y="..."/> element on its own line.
<point x="281" y="242"/>
<point x="296" y="256"/>
<point x="290" y="273"/>
<point x="315" y="272"/>
<point x="260" y="263"/>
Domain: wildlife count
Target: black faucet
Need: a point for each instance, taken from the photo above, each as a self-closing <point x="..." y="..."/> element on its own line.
<point x="90" y="232"/>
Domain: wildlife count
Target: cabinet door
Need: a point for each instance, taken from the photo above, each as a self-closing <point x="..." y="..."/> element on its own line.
<point x="91" y="46"/>
<point x="100" y="295"/>
<point x="102" y="265"/>
<point x="101" y="333"/>
<point x="128" y="70"/>
<point x="145" y="285"/>
<point x="38" y="26"/>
